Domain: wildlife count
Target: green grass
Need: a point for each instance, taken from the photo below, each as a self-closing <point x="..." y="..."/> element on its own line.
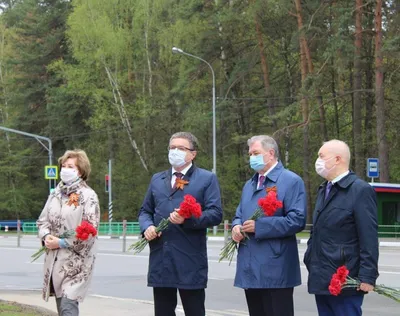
<point x="13" y="309"/>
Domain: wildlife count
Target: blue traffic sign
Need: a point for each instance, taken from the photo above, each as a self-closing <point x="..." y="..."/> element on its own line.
<point x="51" y="172"/>
<point x="373" y="168"/>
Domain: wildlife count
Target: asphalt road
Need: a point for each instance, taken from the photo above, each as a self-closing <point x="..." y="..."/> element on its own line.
<point x="121" y="275"/>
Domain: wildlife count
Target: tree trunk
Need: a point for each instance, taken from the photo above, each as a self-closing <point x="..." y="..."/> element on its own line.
<point x="379" y="97"/>
<point x="119" y="103"/>
<point x="333" y="30"/>
<point x="146" y="38"/>
<point x="305" y="111"/>
<point x="335" y="103"/>
<point x="321" y="107"/>
<point x="265" y="70"/>
<point x="357" y="104"/>
<point x="288" y="102"/>
<point x="4" y="120"/>
<point x="369" y="144"/>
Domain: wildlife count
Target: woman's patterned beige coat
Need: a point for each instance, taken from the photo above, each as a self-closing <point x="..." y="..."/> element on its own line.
<point x="69" y="269"/>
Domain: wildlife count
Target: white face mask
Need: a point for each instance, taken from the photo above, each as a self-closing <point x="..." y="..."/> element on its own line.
<point x="320" y="167"/>
<point x="176" y="157"/>
<point x="68" y="175"/>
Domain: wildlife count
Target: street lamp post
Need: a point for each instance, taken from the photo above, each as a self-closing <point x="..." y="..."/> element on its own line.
<point x="177" y="50"/>
<point x="38" y="138"/>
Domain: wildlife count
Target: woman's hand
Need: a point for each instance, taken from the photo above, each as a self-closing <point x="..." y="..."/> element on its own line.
<point x="51" y="242"/>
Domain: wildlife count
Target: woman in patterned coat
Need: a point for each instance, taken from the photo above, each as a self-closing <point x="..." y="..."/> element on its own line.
<point x="69" y="262"/>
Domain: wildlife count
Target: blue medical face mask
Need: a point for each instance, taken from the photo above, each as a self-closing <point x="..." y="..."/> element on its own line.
<point x="257" y="162"/>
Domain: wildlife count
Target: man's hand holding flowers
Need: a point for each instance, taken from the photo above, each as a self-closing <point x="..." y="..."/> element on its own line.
<point x="188" y="208"/>
<point x="237" y="235"/>
<point x="249" y="226"/>
<point x="151" y="233"/>
<point x="365" y="287"/>
<point x="175" y="218"/>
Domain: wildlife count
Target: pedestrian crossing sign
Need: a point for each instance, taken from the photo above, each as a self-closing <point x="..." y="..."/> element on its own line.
<point x="51" y="172"/>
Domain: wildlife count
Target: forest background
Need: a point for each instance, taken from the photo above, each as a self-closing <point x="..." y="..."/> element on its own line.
<point x="100" y="75"/>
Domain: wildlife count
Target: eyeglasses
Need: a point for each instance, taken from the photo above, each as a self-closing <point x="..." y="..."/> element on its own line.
<point x="183" y="148"/>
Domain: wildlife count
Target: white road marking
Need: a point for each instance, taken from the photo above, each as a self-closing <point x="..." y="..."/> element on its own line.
<point x="179" y="308"/>
<point x="212" y="261"/>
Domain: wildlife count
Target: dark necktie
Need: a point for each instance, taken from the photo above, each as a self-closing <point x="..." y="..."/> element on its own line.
<point x="260" y="181"/>
<point x="328" y="189"/>
<point x="178" y="175"/>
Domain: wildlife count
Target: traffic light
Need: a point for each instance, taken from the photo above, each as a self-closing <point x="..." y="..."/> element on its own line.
<point x="107" y="182"/>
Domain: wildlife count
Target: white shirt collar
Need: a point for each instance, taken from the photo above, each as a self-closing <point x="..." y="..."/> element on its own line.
<point x="184" y="171"/>
<point x="340" y="177"/>
<point x="270" y="169"/>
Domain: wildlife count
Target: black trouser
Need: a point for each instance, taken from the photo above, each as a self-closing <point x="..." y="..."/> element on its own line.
<point x="165" y="301"/>
<point x="270" y="302"/>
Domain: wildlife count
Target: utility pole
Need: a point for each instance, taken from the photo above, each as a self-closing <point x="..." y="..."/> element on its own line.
<point x="110" y="204"/>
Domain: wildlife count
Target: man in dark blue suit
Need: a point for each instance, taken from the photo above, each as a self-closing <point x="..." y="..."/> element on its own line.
<point x="345" y="232"/>
<point x="268" y="265"/>
<point x="178" y="255"/>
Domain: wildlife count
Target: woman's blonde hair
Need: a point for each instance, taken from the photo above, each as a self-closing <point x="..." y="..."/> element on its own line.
<point x="82" y="161"/>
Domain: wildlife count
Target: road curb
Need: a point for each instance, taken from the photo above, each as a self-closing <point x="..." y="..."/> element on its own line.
<point x="381" y="243"/>
<point x="214" y="238"/>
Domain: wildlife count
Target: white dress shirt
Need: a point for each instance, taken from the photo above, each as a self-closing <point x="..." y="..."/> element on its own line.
<point x="265" y="174"/>
<point x="184" y="171"/>
<point x="340" y="177"/>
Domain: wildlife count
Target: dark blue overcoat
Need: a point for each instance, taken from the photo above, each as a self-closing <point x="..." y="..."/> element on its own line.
<point x="179" y="257"/>
<point x="270" y="259"/>
<point x="345" y="232"/>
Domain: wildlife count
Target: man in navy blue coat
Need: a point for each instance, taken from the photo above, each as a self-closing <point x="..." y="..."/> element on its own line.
<point x="178" y="255"/>
<point x="345" y="232"/>
<point x="268" y="265"/>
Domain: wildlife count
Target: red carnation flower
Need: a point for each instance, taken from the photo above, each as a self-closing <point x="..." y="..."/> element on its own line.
<point x="84" y="230"/>
<point x="341" y="279"/>
<point x="269" y="204"/>
<point x="189" y="207"/>
<point x="342" y="273"/>
<point x="335" y="287"/>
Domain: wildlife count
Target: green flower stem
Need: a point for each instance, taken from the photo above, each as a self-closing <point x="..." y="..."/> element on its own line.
<point x="228" y="251"/>
<point x="380" y="289"/>
<point x="142" y="243"/>
<point x="67" y="234"/>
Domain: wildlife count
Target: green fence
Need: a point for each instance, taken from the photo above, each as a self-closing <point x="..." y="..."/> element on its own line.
<point x="132" y="228"/>
<point x="391" y="231"/>
<point x="29" y="227"/>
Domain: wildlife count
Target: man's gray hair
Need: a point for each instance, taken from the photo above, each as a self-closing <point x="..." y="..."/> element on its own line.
<point x="189" y="136"/>
<point x="267" y="143"/>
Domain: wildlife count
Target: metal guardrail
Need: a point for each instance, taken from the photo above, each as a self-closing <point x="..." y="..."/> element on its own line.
<point x="132" y="228"/>
<point x="29" y="227"/>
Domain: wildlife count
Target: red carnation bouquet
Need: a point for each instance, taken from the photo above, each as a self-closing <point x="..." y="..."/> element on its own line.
<point x="267" y="206"/>
<point x="341" y="280"/>
<point x="85" y="230"/>
<point x="188" y="208"/>
<point x="82" y="233"/>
